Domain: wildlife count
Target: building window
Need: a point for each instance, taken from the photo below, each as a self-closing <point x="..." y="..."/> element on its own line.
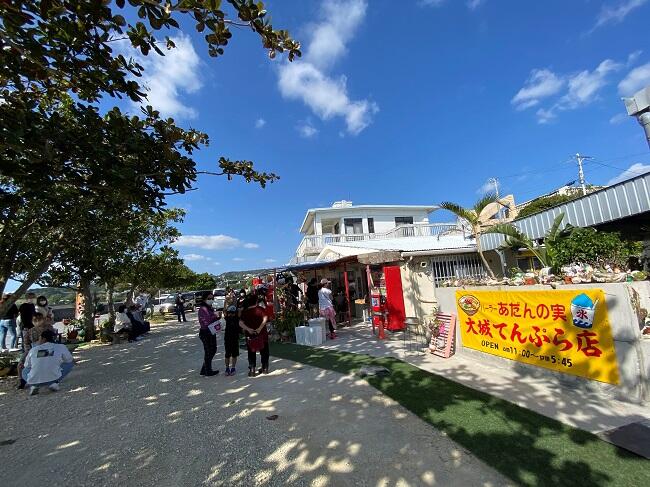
<point x="403" y="220"/>
<point x="371" y="225"/>
<point x="353" y="225"/>
<point x="451" y="267"/>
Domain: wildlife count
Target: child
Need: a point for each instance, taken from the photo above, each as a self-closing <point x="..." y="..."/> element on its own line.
<point x="231" y="339"/>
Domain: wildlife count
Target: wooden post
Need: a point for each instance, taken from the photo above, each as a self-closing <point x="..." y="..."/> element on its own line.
<point x="347" y="291"/>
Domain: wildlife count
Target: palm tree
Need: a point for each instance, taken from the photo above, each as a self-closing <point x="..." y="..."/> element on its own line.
<point x="515" y="238"/>
<point x="472" y="217"/>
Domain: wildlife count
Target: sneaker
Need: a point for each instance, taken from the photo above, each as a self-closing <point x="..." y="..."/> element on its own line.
<point x="212" y="373"/>
<point x="227" y="371"/>
<point x="232" y="371"/>
<point x="54" y="387"/>
<point x="251" y="373"/>
<point x="263" y="371"/>
<point x="33" y="390"/>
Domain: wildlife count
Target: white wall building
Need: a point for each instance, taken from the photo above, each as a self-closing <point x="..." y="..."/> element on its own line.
<point x="346" y="224"/>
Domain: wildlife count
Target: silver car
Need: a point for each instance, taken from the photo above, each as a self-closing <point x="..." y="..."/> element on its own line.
<point x="169" y="304"/>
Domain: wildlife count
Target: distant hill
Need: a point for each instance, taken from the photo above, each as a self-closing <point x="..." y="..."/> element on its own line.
<point x="239" y="279"/>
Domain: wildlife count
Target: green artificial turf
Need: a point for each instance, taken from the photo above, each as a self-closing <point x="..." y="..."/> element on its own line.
<point x="527" y="447"/>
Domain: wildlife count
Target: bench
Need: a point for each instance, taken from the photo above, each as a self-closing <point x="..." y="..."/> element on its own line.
<point x="119" y="337"/>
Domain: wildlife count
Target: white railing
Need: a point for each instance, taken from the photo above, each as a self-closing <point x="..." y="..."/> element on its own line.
<point x="313" y="244"/>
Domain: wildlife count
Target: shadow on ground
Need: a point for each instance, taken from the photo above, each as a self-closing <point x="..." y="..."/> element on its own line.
<point x="139" y="414"/>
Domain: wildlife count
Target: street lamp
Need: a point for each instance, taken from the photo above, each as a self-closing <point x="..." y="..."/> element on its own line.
<point x="639" y="106"/>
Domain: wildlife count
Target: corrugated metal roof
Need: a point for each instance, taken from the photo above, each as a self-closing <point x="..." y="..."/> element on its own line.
<point x="624" y="199"/>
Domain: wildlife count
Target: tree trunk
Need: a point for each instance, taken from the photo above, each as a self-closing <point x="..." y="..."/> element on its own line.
<point x="110" y="302"/>
<point x="89" y="309"/>
<point x="480" y="253"/>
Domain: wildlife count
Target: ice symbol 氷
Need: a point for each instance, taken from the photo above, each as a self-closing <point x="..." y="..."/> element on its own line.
<point x="583" y="310"/>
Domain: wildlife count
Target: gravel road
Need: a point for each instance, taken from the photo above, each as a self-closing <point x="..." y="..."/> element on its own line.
<point x="140" y="415"/>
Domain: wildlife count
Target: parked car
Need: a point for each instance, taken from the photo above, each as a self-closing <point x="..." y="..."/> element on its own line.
<point x="169" y="304"/>
<point x="219" y="299"/>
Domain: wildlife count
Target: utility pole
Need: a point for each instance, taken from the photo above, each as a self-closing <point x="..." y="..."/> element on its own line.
<point x="581" y="173"/>
<point x="495" y="181"/>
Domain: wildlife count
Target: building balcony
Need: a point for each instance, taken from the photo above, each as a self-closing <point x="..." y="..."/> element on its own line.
<point x="312" y="245"/>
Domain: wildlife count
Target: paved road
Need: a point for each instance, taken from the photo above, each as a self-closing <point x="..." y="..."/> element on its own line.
<point x="139" y="415"/>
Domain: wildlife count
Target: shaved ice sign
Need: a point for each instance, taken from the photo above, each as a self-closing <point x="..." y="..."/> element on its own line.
<point x="566" y="331"/>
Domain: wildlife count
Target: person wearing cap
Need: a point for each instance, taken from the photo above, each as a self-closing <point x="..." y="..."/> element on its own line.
<point x="326" y="307"/>
<point x="47" y="363"/>
<point x="231" y="339"/>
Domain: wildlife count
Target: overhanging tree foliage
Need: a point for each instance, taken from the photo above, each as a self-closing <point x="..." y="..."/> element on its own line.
<point x="66" y="165"/>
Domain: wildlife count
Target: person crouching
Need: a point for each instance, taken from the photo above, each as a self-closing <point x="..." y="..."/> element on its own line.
<point x="47" y="364"/>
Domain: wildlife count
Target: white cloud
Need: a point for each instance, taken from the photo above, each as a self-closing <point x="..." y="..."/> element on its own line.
<point x="618" y="118"/>
<point x="259" y="123"/>
<point x="584" y="85"/>
<point x="212" y="242"/>
<point x="270" y="261"/>
<point x="251" y="246"/>
<point x="306" y="129"/>
<point x="471" y="4"/>
<point x="581" y="89"/>
<point x="541" y="83"/>
<point x="487" y="187"/>
<point x="545" y="116"/>
<point x="308" y="80"/>
<point x="238" y="259"/>
<point x="166" y="78"/>
<point x="616" y="14"/>
<point x="195" y="257"/>
<point x="635" y="80"/>
<point x="632" y="171"/>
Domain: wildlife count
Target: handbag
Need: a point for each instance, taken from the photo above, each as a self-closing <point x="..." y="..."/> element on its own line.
<point x="255" y="343"/>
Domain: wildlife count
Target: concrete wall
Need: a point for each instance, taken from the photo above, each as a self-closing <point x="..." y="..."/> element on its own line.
<point x="419" y="296"/>
<point x="632" y="352"/>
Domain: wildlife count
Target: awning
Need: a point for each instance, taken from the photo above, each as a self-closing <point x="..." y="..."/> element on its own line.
<point x="335" y="252"/>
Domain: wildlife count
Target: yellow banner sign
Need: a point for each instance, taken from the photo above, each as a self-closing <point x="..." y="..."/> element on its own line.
<point x="566" y="331"/>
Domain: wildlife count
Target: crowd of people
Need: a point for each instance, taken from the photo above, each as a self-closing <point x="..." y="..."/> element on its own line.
<point x="131" y="321"/>
<point x="244" y="314"/>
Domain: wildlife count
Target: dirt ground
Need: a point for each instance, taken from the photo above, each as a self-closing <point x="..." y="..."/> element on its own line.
<point x="140" y="415"/>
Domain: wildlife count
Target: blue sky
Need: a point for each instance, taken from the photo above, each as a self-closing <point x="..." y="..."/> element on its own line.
<point x="410" y="102"/>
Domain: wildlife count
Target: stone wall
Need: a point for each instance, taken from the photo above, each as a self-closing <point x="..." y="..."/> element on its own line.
<point x="632" y="351"/>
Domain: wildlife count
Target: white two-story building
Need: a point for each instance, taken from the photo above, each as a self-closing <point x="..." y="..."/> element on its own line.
<point x="344" y="223"/>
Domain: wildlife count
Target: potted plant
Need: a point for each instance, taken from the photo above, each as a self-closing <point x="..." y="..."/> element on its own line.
<point x="286" y="321"/>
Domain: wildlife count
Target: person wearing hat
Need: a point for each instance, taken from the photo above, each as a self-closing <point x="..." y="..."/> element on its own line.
<point x="231" y="339"/>
<point x="326" y="307"/>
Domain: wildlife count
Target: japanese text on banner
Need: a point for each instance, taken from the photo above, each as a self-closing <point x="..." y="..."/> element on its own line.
<point x="567" y="331"/>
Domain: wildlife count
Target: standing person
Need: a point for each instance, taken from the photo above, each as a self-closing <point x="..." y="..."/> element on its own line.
<point x="253" y="320"/>
<point x="26" y="311"/>
<point x="241" y="298"/>
<point x="312" y="297"/>
<point x="231" y="339"/>
<point x="46" y="364"/>
<point x="43" y="308"/>
<point x="326" y="307"/>
<point x="207" y="316"/>
<point x="8" y="326"/>
<point x="180" y="307"/>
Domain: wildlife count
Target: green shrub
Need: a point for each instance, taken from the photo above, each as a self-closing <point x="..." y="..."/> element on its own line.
<point x="545" y="203"/>
<point x="589" y="246"/>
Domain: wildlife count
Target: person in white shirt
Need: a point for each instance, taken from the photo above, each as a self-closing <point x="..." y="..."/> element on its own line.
<point x="122" y="321"/>
<point x="326" y="307"/>
<point x="47" y="364"/>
